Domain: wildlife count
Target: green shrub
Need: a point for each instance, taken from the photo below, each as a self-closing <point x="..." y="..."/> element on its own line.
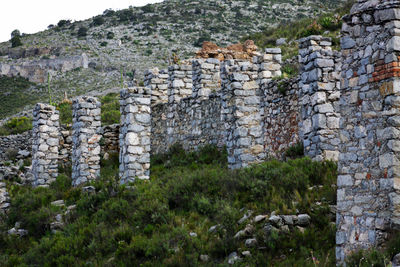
<point x="16" y="125"/>
<point x="110" y="113"/>
<point x="295" y="151"/>
<point x="82" y="32"/>
<point x="16" y="41"/>
<point x="65" y="110"/>
<point x="63" y="23"/>
<point x="103" y="44"/>
<point x="98" y="20"/>
<point x="110" y="35"/>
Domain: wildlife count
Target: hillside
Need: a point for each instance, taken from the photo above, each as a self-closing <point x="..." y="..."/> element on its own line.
<point x="132" y="40"/>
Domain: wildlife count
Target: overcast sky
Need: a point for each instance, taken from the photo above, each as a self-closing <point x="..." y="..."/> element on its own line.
<point x="30" y="16"/>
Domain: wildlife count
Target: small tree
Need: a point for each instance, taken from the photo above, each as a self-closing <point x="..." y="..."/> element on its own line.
<point x="16" y="38"/>
<point x="82" y="32"/>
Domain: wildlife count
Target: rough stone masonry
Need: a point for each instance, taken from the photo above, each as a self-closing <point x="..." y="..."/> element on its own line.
<point x="135" y="132"/>
<point x="242" y="114"/>
<point x="45" y="144"/>
<point x="319" y="98"/>
<point x="86" y="134"/>
<point x="368" y="197"/>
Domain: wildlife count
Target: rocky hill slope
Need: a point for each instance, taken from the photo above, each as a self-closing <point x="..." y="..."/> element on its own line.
<point x="126" y="42"/>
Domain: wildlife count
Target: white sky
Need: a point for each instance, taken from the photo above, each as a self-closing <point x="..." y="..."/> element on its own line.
<point x="30" y="16"/>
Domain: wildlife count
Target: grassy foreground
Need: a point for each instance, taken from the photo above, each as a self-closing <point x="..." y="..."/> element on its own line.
<point x="149" y="223"/>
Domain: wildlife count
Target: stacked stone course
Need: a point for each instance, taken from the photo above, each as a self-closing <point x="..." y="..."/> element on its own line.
<point x="206" y="77"/>
<point x="319" y="97"/>
<point x="180" y="82"/>
<point x="135" y="135"/>
<point x="86" y="135"/>
<point x="282" y="116"/>
<point x="157" y="81"/>
<point x="45" y="144"/>
<point x="368" y="197"/>
<point x="244" y="116"/>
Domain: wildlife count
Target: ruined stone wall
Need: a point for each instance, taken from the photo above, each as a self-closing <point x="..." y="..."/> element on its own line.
<point x="281" y="116"/>
<point x="368" y="197"/>
<point x="86" y="135"/>
<point x="157" y="81"/>
<point x="15" y="143"/>
<point x="135" y="134"/>
<point x="243" y="114"/>
<point x="319" y="97"/>
<point x="192" y="120"/>
<point x="206" y="77"/>
<point x="45" y="136"/>
<point x="180" y="82"/>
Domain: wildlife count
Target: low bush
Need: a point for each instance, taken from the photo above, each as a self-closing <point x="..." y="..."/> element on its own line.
<point x="110" y="113"/>
<point x="16" y="126"/>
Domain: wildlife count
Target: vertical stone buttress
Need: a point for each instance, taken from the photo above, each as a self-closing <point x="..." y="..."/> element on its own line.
<point x="45" y="144"/>
<point x="242" y="114"/>
<point x="157" y="81"/>
<point x="180" y="86"/>
<point x="368" y="199"/>
<point x="206" y="77"/>
<point x="135" y="133"/>
<point x="319" y="98"/>
<point x="86" y="128"/>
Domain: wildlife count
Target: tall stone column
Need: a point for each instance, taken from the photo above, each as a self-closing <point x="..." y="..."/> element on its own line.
<point x="206" y="77"/>
<point x="135" y="133"/>
<point x="244" y="124"/>
<point x="86" y="134"/>
<point x="368" y="197"/>
<point x="45" y="143"/>
<point x="157" y="81"/>
<point x="319" y="93"/>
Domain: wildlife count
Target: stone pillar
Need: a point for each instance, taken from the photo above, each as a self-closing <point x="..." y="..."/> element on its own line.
<point x="134" y="137"/>
<point x="180" y="82"/>
<point x="368" y="197"/>
<point x="86" y="128"/>
<point x="157" y="81"/>
<point x="206" y="77"/>
<point x="319" y="93"/>
<point x="243" y="114"/>
<point x="45" y="142"/>
<point x="269" y="65"/>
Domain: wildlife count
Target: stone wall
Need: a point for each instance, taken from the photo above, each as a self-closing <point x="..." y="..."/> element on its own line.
<point x="157" y="81"/>
<point x="86" y="135"/>
<point x="206" y="77"/>
<point x="368" y="197"/>
<point x="45" y="144"/>
<point x="281" y="116"/>
<point x="180" y="82"/>
<point x="14" y="144"/>
<point x="319" y="97"/>
<point x="244" y="120"/>
<point x="135" y="134"/>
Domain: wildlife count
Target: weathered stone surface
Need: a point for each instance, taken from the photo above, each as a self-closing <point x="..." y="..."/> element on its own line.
<point x="86" y="134"/>
<point x="44" y="149"/>
<point x="135" y="134"/>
